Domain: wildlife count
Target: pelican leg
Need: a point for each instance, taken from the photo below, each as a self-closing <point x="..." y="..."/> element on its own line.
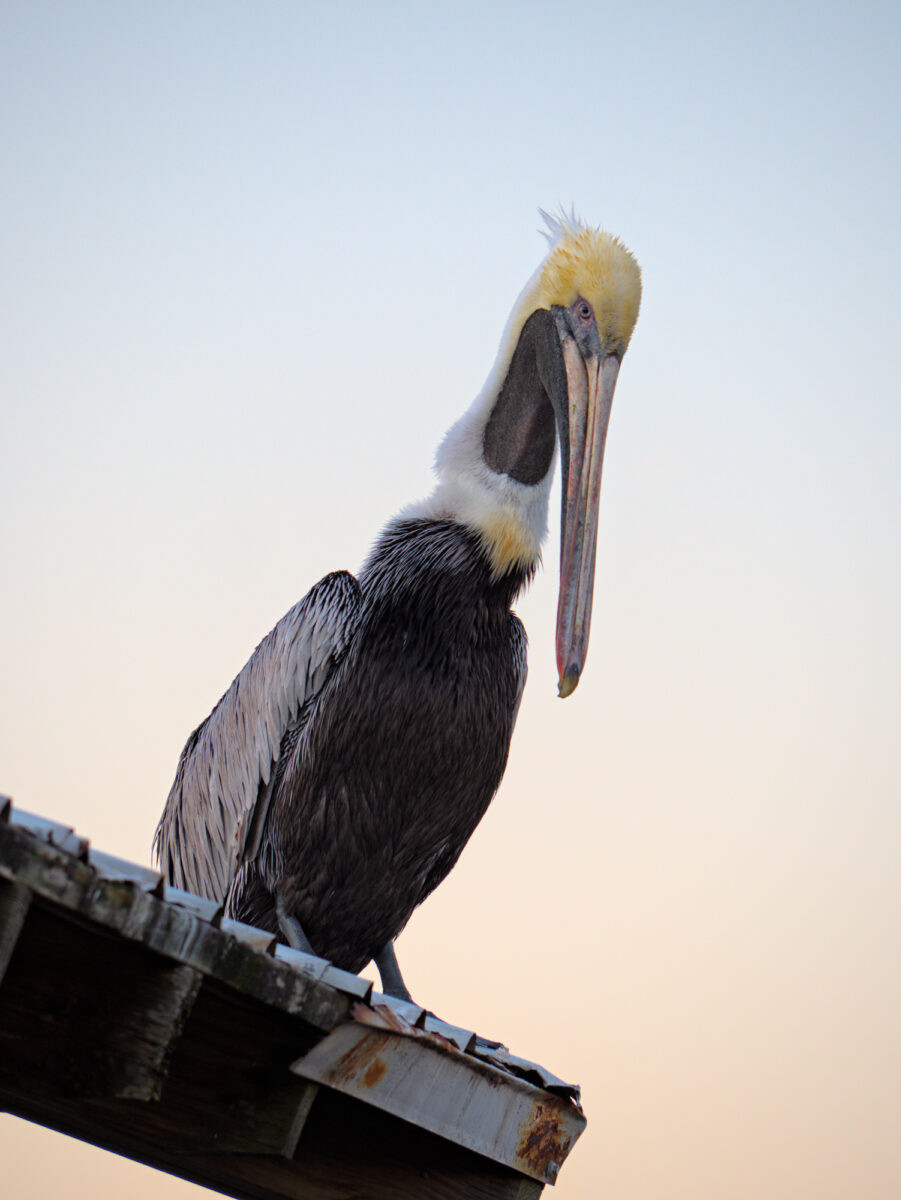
<point x="392" y="980"/>
<point x="290" y="928"/>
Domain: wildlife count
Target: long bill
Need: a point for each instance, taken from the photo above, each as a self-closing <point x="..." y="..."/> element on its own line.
<point x="590" y="383"/>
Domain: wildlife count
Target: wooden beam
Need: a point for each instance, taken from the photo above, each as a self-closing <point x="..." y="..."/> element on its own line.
<point x="347" y="1151"/>
<point x="139" y="1026"/>
<point x="122" y="907"/>
<point x="15" y="900"/>
<point x="111" y="1035"/>
<point x="275" y="1122"/>
<point x="99" y="1019"/>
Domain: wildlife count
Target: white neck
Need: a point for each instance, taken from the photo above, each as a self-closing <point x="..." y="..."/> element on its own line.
<point x="510" y="516"/>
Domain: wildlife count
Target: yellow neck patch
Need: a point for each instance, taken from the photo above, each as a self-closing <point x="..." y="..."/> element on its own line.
<point x="598" y="267"/>
<point x="510" y="546"/>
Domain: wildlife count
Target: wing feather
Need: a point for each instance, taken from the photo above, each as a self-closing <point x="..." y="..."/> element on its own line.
<point x="228" y="762"/>
<point x="520" y="660"/>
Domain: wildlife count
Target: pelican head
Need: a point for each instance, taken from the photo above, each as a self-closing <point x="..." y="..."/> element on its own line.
<point x="552" y="384"/>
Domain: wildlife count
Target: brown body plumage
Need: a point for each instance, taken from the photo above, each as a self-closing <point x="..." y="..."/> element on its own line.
<point x="337" y="781"/>
<point x="397" y="758"/>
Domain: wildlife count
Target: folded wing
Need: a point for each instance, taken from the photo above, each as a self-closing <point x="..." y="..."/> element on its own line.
<point x="222" y="784"/>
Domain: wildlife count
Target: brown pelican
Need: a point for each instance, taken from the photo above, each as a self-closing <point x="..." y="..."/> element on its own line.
<point x="338" y="779"/>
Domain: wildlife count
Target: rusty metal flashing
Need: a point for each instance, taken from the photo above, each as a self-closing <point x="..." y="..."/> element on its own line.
<point x="379" y="1058"/>
<point x="391" y="1055"/>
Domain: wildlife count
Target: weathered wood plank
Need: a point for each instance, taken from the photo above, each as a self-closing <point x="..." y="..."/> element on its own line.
<point x="275" y="1122"/>
<point x="140" y="1027"/>
<point x="71" y="1025"/>
<point x="95" y="1018"/>
<point x="124" y="908"/>
<point x="15" y="900"/>
<point x="229" y="1080"/>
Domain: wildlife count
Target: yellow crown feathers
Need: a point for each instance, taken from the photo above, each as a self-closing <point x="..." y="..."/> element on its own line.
<point x="597" y="266"/>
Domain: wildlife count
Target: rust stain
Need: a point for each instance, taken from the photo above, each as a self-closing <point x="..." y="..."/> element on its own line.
<point x="384" y="1018"/>
<point x="358" y="1060"/>
<point x="375" y="1072"/>
<point x="543" y="1144"/>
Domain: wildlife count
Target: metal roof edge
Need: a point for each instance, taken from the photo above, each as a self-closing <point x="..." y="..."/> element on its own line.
<point x="410" y="1019"/>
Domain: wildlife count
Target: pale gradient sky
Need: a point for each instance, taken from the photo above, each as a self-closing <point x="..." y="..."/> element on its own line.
<point x="256" y="259"/>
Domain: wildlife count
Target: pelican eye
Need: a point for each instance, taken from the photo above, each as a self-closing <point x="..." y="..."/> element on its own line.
<point x="584" y="312"/>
